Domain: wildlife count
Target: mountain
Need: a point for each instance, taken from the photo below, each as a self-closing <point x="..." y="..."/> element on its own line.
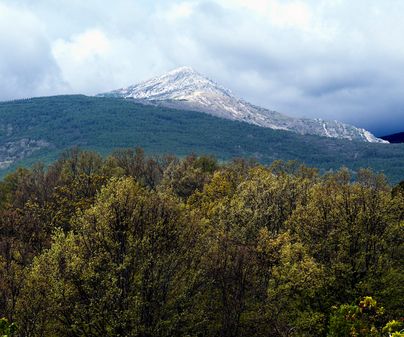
<point x="186" y="89"/>
<point x="41" y="128"/>
<point x="394" y="138"/>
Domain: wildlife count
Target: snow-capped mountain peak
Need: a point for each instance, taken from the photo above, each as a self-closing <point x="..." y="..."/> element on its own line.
<point x="184" y="88"/>
<point x="178" y="84"/>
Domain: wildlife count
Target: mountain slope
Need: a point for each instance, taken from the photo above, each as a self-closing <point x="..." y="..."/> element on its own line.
<point x="186" y="89"/>
<point x="41" y="128"/>
<point x="394" y="138"/>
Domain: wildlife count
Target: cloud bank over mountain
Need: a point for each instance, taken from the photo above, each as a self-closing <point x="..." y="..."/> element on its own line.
<point x="332" y="59"/>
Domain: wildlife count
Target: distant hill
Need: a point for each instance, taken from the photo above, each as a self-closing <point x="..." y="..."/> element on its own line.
<point x="40" y="128"/>
<point x="395" y="138"/>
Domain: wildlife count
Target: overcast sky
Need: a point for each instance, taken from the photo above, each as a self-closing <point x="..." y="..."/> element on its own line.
<point x="335" y="59"/>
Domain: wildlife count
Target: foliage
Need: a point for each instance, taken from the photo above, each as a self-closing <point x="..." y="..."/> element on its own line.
<point x="7" y="329"/>
<point x="394" y="328"/>
<point x="356" y="320"/>
<point x="362" y="320"/>
<point x="133" y="245"/>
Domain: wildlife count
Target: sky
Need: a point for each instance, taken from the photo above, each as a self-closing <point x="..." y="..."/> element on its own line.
<point x="330" y="59"/>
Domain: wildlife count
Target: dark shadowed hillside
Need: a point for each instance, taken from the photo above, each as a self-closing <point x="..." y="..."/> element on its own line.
<point x="395" y="138"/>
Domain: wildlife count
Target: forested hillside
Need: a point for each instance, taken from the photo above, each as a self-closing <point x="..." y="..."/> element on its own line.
<point x="130" y="245"/>
<point x="41" y="128"/>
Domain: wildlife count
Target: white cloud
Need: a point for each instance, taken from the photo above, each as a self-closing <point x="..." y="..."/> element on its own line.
<point x="82" y="48"/>
<point x="283" y="14"/>
<point x="27" y="67"/>
<point x="179" y="11"/>
<point x="93" y="61"/>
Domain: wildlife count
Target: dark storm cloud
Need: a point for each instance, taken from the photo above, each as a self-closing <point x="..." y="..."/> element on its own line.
<point x="334" y="59"/>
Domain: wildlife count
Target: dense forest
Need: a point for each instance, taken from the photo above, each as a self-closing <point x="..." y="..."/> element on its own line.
<point x="40" y="128"/>
<point x="136" y="245"/>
